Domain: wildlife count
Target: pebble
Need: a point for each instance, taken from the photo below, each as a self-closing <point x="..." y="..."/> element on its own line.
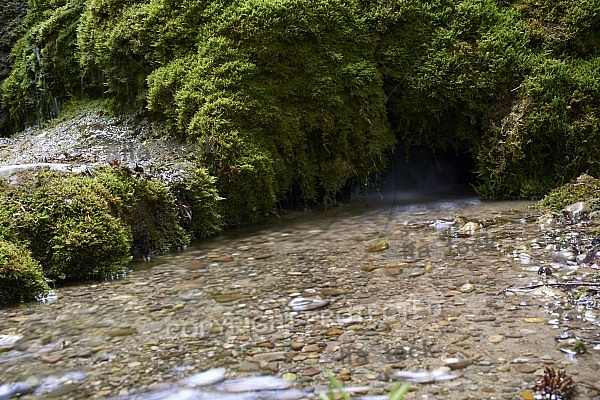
<point x="495" y="338"/>
<point x="466" y="288"/>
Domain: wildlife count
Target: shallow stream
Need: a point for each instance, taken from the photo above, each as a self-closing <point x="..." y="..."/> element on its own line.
<point x="368" y="291"/>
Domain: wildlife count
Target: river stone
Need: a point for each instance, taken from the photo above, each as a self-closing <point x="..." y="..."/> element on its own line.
<point x="222" y="259"/>
<point x="52" y="358"/>
<point x="227" y="298"/>
<point x="525" y="368"/>
<point x="466" y="288"/>
<point x="376" y="247"/>
<point x="571" y="346"/>
<point x="495" y="338"/>
<point x="122" y="332"/>
<point x="469" y="228"/>
<point x="268" y="357"/>
<point x="333" y="331"/>
<point x="577" y="209"/>
<point x="307" y="303"/>
<point x="330" y="292"/>
<point x="289" y="377"/>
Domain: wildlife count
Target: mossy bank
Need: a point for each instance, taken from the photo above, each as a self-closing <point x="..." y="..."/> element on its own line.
<point x="61" y="227"/>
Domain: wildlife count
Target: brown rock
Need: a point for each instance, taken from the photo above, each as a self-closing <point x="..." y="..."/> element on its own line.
<point x="116" y="332"/>
<point x="495" y="338"/>
<point x="227" y="298"/>
<point x="378" y="247"/>
<point x="52" y="358"/>
<point x="222" y="259"/>
<point x="333" y="331"/>
<point x="311" y="348"/>
<point x="329" y="292"/>
<point x="194" y="266"/>
<point x="525" y="368"/>
<point x="310" y="372"/>
<point x="297" y="346"/>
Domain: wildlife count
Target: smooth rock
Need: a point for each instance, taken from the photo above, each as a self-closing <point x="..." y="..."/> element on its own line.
<point x="578" y="208"/>
<point x="379" y="246"/>
<point x="466" y="288"/>
<point x="227" y="298"/>
<point x="307" y="303"/>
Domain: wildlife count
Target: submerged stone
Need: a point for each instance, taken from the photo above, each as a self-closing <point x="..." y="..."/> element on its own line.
<point x="571" y="346"/>
<point x="380" y="246"/>
<point x="467" y="288"/>
<point x="227" y="298"/>
<point x="307" y="303"/>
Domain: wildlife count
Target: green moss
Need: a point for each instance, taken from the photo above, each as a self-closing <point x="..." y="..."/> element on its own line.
<point x="147" y="207"/>
<point x="67" y="222"/>
<point x="21" y="276"/>
<point x="585" y="188"/>
<point x="198" y="203"/>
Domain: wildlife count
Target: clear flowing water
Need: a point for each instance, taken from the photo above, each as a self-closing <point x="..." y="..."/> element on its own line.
<point x="369" y="291"/>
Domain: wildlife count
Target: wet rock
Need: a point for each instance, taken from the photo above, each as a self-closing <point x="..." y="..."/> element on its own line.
<point x="222" y="259"/>
<point x="563" y="255"/>
<point x="469" y="228"/>
<point x="245" y="366"/>
<point x="545" y="271"/>
<point x="572" y="346"/>
<point x="52" y="358"/>
<point x="331" y="292"/>
<point x="379" y="246"/>
<point x="466" y="288"/>
<point x="577" y="209"/>
<point x="456" y="363"/>
<point x="307" y="303"/>
<point x="254" y="383"/>
<point x="228" y="298"/>
<point x="310" y="372"/>
<point x="289" y="377"/>
<point x="116" y="332"/>
<point x="7" y="342"/>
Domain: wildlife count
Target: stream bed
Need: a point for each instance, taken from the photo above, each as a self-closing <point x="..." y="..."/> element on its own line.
<point x="376" y="294"/>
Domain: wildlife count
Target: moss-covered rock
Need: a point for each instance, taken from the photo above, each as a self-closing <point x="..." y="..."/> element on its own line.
<point x="198" y="203"/>
<point x="147" y="207"/>
<point x="583" y="189"/>
<point x="21" y="276"/>
<point x="66" y="220"/>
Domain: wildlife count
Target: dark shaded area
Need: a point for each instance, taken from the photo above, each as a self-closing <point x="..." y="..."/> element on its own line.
<point x="420" y="174"/>
<point x="12" y="14"/>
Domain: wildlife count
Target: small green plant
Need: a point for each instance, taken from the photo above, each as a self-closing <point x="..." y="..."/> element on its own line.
<point x="335" y="387"/>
